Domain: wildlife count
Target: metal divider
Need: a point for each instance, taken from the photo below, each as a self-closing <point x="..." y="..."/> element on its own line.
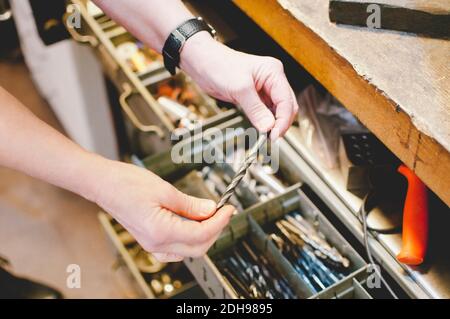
<point x="261" y="213"/>
<point x="276" y="258"/>
<point x="349" y="288"/>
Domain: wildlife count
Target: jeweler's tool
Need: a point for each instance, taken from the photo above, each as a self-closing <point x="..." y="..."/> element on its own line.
<point x="249" y="159"/>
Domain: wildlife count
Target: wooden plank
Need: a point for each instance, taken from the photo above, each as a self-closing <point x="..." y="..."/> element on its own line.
<point x="431" y="18"/>
<point x="397" y="86"/>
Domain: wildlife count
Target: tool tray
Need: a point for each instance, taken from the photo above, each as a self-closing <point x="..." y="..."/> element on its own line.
<point x="249" y="225"/>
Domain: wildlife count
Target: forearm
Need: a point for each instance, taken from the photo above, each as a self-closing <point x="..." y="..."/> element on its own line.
<point x="151" y="21"/>
<point x="29" y="145"/>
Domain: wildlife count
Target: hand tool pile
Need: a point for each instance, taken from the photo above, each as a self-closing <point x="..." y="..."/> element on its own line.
<point x="250" y="159"/>
<point x="251" y="275"/>
<point x="318" y="263"/>
<point x="181" y="102"/>
<point x="259" y="178"/>
<point x="217" y="184"/>
<point x="263" y="181"/>
<point x="139" y="57"/>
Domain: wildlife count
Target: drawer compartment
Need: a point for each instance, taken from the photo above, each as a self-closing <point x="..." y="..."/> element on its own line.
<point x="181" y="91"/>
<point x="249" y="225"/>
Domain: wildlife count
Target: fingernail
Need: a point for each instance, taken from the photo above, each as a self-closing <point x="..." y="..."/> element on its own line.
<point x="207" y="207"/>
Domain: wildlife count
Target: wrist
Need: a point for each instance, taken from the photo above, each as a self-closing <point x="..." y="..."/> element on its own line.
<point x="198" y="46"/>
<point x="95" y="173"/>
<point x="112" y="179"/>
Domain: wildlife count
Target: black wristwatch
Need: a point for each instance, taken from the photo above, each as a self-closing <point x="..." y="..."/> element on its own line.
<point x="176" y="40"/>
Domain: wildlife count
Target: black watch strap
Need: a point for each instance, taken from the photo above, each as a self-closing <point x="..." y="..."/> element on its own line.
<point x="175" y="41"/>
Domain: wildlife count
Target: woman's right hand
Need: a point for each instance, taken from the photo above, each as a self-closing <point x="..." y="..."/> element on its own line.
<point x="164" y="221"/>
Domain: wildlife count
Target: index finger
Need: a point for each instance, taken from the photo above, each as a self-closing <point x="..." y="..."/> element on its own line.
<point x="285" y="106"/>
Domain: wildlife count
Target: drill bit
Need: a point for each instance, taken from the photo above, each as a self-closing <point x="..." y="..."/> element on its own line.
<point x="249" y="159"/>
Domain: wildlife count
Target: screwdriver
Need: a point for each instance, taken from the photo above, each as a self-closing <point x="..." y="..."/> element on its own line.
<point x="249" y="159"/>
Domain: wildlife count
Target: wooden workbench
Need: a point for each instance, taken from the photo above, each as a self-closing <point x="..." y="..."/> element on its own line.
<point x="397" y="84"/>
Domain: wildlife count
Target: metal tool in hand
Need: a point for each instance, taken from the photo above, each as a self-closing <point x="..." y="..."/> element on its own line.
<point x="249" y="159"/>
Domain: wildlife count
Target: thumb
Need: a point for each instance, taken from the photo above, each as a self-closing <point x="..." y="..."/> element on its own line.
<point x="190" y="207"/>
<point x="256" y="111"/>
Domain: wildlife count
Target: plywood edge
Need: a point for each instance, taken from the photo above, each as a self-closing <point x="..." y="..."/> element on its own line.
<point x="429" y="159"/>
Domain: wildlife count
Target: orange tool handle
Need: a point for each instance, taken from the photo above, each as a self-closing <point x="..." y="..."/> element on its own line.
<point x="415" y="220"/>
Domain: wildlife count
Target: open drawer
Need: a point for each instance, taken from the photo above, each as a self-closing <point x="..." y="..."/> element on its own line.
<point x="214" y="277"/>
<point x="253" y="225"/>
<point x="140" y="78"/>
